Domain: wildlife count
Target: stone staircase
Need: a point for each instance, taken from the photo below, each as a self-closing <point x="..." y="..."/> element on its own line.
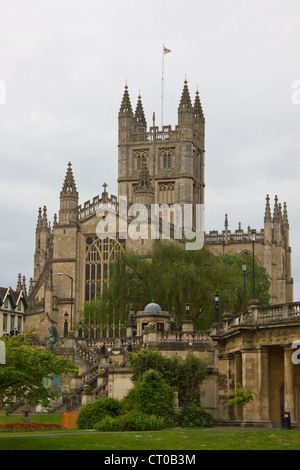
<point x="90" y="385"/>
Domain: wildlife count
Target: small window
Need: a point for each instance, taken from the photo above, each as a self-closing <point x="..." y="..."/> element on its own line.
<point x="167" y="159"/>
<point x="160" y="326"/>
<point x="4" y="322"/>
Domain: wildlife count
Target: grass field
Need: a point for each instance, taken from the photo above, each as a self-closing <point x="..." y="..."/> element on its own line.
<point x="173" y="439"/>
<point x="179" y="439"/>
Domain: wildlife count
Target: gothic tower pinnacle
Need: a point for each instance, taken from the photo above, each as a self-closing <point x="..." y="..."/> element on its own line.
<point x="68" y="199"/>
<point x="186" y="115"/>
<point x="126" y="118"/>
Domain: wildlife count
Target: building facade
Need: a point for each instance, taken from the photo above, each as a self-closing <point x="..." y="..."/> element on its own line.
<point x="271" y="248"/>
<point x="258" y="349"/>
<point x="13" y="306"/>
<point x="156" y="166"/>
<point x="72" y="265"/>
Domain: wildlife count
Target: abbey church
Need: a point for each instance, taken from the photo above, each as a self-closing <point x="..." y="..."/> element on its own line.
<point x="164" y="168"/>
<point x="155" y="166"/>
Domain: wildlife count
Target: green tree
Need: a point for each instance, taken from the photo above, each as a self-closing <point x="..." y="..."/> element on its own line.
<point x="190" y="374"/>
<point x="146" y="359"/>
<point x="151" y="395"/>
<point x="184" y="375"/>
<point x="94" y="411"/>
<point x="241" y="398"/>
<point x="171" y="276"/>
<point x="23" y="376"/>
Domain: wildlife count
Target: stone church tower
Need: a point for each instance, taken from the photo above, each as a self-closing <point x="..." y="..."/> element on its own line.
<point x="155" y="166"/>
<point x="175" y="158"/>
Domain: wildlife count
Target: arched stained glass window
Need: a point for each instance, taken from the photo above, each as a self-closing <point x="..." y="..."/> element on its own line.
<point x="98" y="257"/>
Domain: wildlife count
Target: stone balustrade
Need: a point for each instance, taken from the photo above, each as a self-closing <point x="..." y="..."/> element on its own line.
<point x="190" y="337"/>
<point x="258" y="315"/>
<point x="87" y="353"/>
<point x="112" y="343"/>
<point x="237" y="236"/>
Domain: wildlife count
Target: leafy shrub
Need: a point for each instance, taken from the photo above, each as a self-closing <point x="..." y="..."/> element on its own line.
<point x="95" y="411"/>
<point x="108" y="424"/>
<point x="193" y="415"/>
<point x="131" y="421"/>
<point x="152" y="395"/>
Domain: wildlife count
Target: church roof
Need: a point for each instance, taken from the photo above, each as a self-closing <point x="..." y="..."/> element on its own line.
<point x="15" y="296"/>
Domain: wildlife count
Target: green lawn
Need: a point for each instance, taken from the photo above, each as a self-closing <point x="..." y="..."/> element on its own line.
<point x="175" y="439"/>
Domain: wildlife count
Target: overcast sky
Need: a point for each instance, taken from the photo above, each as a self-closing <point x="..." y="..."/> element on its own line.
<point x="65" y="64"/>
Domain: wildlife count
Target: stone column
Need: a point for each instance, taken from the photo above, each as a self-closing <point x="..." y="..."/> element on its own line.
<point x="263" y="373"/>
<point x="223" y="386"/>
<point x="256" y="378"/>
<point x="187" y="325"/>
<point x="289" y="383"/>
<point x="238" y="380"/>
<point x="231" y="381"/>
<point x="250" y="361"/>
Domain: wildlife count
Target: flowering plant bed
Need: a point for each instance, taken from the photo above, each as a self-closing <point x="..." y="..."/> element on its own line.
<point x="12" y="427"/>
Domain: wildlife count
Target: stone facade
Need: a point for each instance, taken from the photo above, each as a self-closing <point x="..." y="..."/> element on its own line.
<point x="271" y="248"/>
<point x="175" y="158"/>
<point x="155" y="166"/>
<point x="258" y="349"/>
<point x="72" y="263"/>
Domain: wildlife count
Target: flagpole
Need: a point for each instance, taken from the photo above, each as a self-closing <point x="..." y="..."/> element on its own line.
<point x="164" y="52"/>
<point x="162" y="87"/>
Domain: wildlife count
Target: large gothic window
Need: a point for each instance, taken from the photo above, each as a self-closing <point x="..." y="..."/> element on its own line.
<point x="99" y="255"/>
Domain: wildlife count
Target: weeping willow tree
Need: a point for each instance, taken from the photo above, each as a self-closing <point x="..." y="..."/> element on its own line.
<point x="172" y="276"/>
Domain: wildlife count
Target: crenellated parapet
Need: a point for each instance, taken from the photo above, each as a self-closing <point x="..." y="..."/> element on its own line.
<point x="91" y="207"/>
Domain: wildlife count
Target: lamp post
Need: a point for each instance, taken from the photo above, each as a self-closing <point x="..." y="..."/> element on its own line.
<point x="70" y="277"/>
<point x="80" y="329"/>
<point x="172" y="322"/>
<point x="66" y="325"/>
<point x="217" y="313"/>
<point x="131" y="315"/>
<point x="252" y="238"/>
<point x="92" y="331"/>
<point x="129" y="345"/>
<point x="244" y="268"/>
<point x="187" y="311"/>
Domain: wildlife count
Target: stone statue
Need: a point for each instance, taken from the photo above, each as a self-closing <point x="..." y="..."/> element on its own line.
<point x="54" y="338"/>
